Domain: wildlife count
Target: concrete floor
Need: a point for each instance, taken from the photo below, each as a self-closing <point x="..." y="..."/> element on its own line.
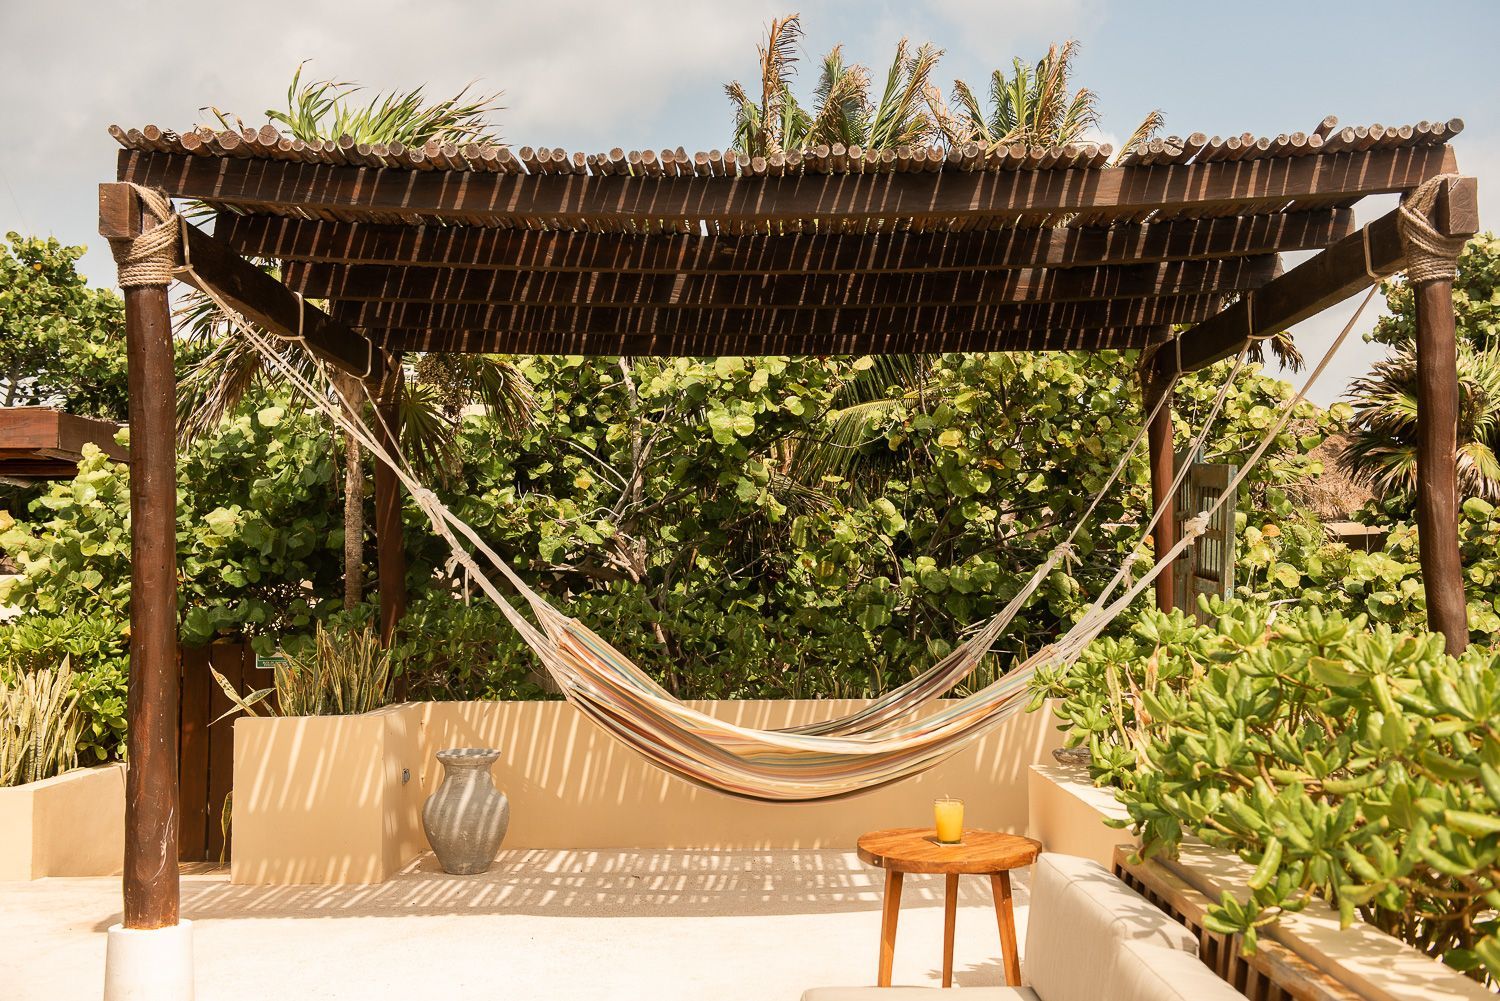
<point x="555" y="925"/>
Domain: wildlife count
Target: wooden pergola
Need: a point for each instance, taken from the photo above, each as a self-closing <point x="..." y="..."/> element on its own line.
<point x="44" y="443"/>
<point x="832" y="250"/>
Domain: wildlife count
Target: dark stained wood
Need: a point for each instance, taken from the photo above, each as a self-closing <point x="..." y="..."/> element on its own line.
<point x="151" y="892"/>
<point x="1322" y="281"/>
<point x="390" y="547"/>
<point x="231" y="660"/>
<point x="899" y="342"/>
<point x="526" y="250"/>
<point x="1437" y="465"/>
<point x="269" y="304"/>
<point x="916" y="849"/>
<point x="196" y="688"/>
<point x="1160" y="447"/>
<point x="468" y="285"/>
<point x="868" y="322"/>
<point x="1231" y="188"/>
<point x="48" y="433"/>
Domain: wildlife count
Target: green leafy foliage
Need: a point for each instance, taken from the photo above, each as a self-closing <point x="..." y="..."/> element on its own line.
<point x="1289" y="558"/>
<point x="40" y="725"/>
<point x="1360" y="765"/>
<point x="344" y="671"/>
<point x="63" y="343"/>
<point x="258" y="539"/>
<point x="96" y="645"/>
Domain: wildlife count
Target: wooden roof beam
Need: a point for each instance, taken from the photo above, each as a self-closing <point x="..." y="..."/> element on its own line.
<point x="474" y="247"/>
<point x="700" y="344"/>
<point x="946" y="195"/>
<point x="954" y="288"/>
<point x="272" y="306"/>
<point x="1322" y="281"/>
<point x="880" y="321"/>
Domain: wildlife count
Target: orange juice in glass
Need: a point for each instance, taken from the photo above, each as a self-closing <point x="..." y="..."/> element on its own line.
<point x="949" y="814"/>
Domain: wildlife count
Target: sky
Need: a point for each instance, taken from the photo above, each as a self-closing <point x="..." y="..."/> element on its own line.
<point x="650" y="73"/>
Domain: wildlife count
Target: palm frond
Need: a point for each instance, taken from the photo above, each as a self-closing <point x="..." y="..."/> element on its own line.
<point x="1144" y="132"/>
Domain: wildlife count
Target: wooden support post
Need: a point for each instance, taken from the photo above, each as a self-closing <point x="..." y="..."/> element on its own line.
<point x="389" y="542"/>
<point x="1437" y="464"/>
<point x="1159" y="441"/>
<point x="1455" y="215"/>
<point x="150" y="869"/>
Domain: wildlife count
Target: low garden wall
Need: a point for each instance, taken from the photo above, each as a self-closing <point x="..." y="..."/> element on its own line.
<point x="338" y="799"/>
<point x="69" y="825"/>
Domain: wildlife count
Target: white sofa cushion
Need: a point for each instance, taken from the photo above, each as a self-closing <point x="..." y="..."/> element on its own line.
<point x="919" y="994"/>
<point x="1077" y="917"/>
<point x="1147" y="972"/>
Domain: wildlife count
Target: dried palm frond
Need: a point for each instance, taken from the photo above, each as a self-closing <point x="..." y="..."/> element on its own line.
<point x="1144" y="132"/>
<point x="901" y="117"/>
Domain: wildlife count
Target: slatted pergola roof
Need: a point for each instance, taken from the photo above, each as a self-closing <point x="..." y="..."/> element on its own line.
<point x="825" y="251"/>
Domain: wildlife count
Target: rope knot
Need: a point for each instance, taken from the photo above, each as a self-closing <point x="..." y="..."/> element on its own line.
<point x="1430" y="255"/>
<point x="1196" y="525"/>
<point x="149" y="259"/>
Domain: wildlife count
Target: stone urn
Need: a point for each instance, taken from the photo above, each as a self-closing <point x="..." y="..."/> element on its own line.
<point x="465" y="820"/>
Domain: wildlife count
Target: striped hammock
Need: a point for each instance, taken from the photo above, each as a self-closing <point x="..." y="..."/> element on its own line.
<point x="886" y="741"/>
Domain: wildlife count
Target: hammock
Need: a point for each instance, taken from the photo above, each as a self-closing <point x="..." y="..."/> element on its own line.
<point x="883" y="743"/>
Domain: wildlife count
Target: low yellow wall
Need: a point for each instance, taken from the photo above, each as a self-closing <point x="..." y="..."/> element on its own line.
<point x="71" y="825"/>
<point x="321" y="800"/>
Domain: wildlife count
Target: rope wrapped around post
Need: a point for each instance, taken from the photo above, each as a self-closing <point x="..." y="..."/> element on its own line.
<point x="1430" y="255"/>
<point x="151" y="258"/>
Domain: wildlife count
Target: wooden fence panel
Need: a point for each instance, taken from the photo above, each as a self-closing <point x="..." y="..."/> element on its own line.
<point x="192" y="751"/>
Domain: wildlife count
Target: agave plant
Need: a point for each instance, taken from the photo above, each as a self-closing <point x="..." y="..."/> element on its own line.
<point x="229" y="367"/>
<point x="346" y="672"/>
<point x="1382" y="448"/>
<point x="843" y="111"/>
<point x="40" y="725"/>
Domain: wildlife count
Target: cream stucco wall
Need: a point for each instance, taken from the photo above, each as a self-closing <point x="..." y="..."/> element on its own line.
<point x="321" y="800"/>
<point x="1069" y="814"/>
<point x="70" y="825"/>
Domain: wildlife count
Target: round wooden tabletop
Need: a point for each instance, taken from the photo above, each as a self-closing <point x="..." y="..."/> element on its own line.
<point x="917" y="849"/>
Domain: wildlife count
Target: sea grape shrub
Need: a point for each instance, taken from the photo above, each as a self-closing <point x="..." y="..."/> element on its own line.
<point x="63" y="342"/>
<point x="756" y="527"/>
<point x="259" y="543"/>
<point x="1353" y="763"/>
<point x="1289" y="558"/>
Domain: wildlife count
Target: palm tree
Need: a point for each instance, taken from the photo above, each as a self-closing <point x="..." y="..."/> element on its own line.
<point x="1032" y="105"/>
<point x="1382" y="449"/>
<point x="430" y="394"/>
<point x="843" y="111"/>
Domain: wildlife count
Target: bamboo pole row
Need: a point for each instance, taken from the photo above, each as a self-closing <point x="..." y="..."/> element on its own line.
<point x="268" y="142"/>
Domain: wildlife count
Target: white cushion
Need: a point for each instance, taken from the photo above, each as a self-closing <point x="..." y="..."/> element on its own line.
<point x="1077" y="917"/>
<point x="919" y="994"/>
<point x="1146" y="972"/>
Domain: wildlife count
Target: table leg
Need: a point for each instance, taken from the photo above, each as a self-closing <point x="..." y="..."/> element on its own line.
<point x="888" y="916"/>
<point x="950" y="913"/>
<point x="1000" y="884"/>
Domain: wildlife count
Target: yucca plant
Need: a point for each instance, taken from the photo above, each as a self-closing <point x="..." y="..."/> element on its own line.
<point x="346" y="672"/>
<point x="40" y="725"/>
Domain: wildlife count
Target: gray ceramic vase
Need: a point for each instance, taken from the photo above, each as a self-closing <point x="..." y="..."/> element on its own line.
<point x="465" y="820"/>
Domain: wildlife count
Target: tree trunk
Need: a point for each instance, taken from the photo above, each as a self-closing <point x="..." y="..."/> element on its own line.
<point x="354" y="499"/>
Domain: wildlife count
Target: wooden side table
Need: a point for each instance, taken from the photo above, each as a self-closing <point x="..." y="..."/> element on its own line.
<point x="982" y="853"/>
